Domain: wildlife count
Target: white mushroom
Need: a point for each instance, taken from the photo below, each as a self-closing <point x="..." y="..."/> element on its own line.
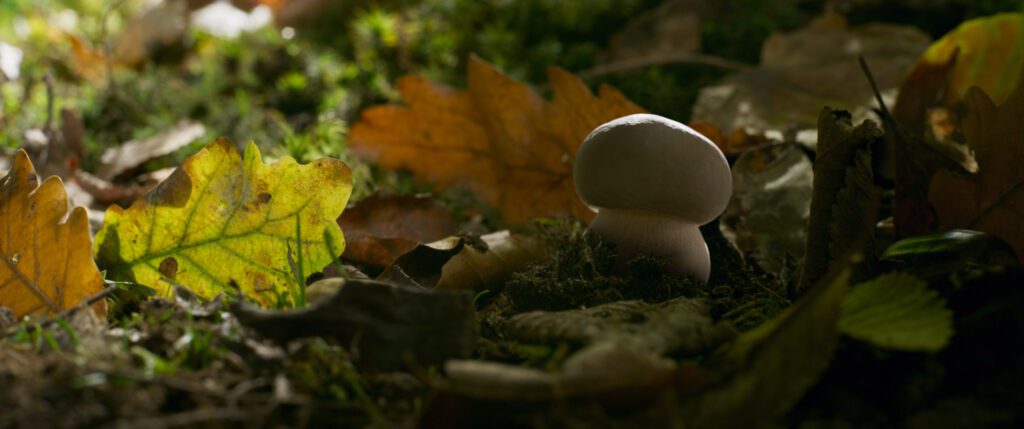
<point x="653" y="181"/>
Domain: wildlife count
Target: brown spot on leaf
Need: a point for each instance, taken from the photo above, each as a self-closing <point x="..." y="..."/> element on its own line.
<point x="169" y="267"/>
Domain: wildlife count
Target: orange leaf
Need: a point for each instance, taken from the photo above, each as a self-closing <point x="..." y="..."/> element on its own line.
<point x="993" y="199"/>
<point x="499" y="138"/>
<point x="46" y="252"/>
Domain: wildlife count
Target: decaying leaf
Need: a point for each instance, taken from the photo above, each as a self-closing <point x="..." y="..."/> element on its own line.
<point x="842" y="193"/>
<point x="767" y="369"/>
<point x="809" y="68"/>
<point x="584" y="374"/>
<point x="117" y="160"/>
<point x="454" y="263"/>
<point x="227" y="222"/>
<point x="987" y="52"/>
<point x="897" y="311"/>
<point x="45" y="249"/>
<point x="379" y="229"/>
<point x="391" y="325"/>
<point x="771" y="202"/>
<point x="623" y="345"/>
<point x="671" y="29"/>
<point x="499" y="138"/>
<point x="679" y="327"/>
<point x="993" y="199"/>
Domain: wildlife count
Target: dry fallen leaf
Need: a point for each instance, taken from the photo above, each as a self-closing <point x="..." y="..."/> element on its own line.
<point x="227" y="222"/>
<point x="993" y="199"/>
<point x="804" y="70"/>
<point x="735" y="143"/>
<point x="118" y="159"/>
<point x="379" y="229"/>
<point x="499" y="138"/>
<point x="987" y="52"/>
<point x="46" y="251"/>
<point x="460" y="263"/>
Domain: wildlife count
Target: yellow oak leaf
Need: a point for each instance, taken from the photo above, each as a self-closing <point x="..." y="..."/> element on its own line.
<point x="223" y="221"/>
<point x="993" y="199"/>
<point x="46" y="251"/>
<point x="989" y="53"/>
<point x="499" y="138"/>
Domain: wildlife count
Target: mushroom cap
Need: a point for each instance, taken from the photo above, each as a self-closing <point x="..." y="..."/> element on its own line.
<point x="653" y="164"/>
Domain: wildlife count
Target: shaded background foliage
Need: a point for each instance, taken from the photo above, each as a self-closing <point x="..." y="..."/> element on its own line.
<point x="304" y="91"/>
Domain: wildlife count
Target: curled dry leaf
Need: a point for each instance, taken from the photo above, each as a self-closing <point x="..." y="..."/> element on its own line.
<point x="117" y="160"/>
<point x="46" y="253"/>
<point x="987" y="52"/>
<point x="499" y="138"/>
<point x="379" y="229"/>
<point x="227" y="222"/>
<point x="840" y="216"/>
<point x="458" y="263"/>
<point x="993" y="199"/>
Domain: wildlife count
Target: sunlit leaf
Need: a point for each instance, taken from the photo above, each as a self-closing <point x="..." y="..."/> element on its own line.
<point x="499" y="138"/>
<point x="223" y="222"/>
<point x="989" y="54"/>
<point x="45" y="251"/>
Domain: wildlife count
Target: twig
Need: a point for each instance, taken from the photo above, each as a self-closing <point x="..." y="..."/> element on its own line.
<point x="886" y="117"/>
<point x="188" y="418"/>
<point x="67" y="313"/>
<point x="48" y="125"/>
<point x="653" y="60"/>
<point x="106" y="46"/>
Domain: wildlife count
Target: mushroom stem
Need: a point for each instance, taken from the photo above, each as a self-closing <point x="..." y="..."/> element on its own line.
<point x="634" y="233"/>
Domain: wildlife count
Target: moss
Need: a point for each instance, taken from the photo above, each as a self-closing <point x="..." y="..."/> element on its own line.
<point x="580" y="273"/>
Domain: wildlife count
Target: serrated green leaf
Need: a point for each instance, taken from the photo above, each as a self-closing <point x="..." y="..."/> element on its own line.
<point x="897" y="311"/>
<point x="227" y="222"/>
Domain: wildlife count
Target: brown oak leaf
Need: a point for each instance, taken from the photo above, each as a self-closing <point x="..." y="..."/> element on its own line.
<point x="499" y="138"/>
<point x="993" y="199"/>
<point x="381" y="228"/>
<point x="46" y="252"/>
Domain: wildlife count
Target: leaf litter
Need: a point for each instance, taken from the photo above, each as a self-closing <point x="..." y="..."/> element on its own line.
<point x="523" y="322"/>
